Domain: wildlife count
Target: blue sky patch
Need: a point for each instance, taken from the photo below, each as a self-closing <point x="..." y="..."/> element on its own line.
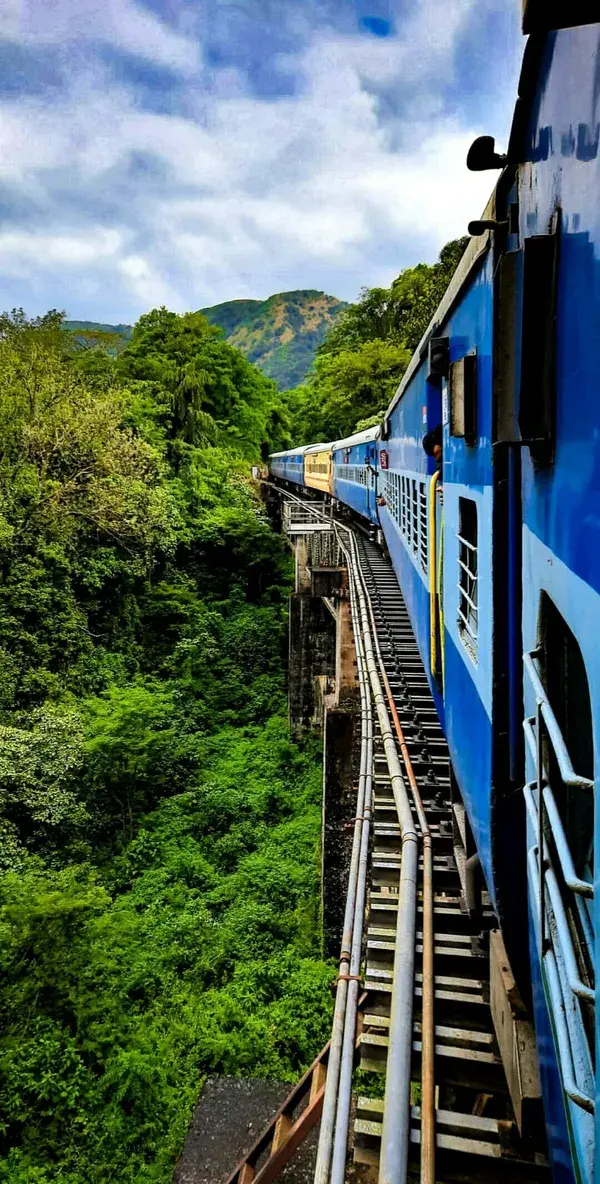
<point x="377" y="25"/>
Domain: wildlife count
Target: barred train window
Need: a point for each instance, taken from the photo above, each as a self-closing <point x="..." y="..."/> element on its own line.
<point x="468" y="612"/>
<point x="406" y="500"/>
<point x="423" y="524"/>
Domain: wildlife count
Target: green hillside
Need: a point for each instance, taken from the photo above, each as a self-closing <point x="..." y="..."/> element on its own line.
<point x="280" y="335"/>
<point x="124" y="331"/>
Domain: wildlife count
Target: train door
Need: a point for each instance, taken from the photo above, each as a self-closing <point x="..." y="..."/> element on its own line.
<point x="371" y="480"/>
<point x="432" y="516"/>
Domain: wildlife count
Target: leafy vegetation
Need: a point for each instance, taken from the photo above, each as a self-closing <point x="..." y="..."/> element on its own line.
<point x="359" y="365"/>
<point x="158" y="869"/>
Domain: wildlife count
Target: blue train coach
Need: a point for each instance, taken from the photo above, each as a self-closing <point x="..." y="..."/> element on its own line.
<point x="355" y="473"/>
<point x="497" y="548"/>
<point x="288" y="466"/>
<point x="496" y="543"/>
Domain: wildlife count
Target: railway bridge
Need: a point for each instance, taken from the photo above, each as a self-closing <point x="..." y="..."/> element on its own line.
<point x="425" y="1006"/>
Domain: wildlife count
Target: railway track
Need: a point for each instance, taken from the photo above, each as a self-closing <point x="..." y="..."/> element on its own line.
<point x="451" y="1095"/>
<point x="476" y="1136"/>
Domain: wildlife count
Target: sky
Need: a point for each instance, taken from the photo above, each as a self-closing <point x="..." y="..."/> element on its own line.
<point x="186" y="152"/>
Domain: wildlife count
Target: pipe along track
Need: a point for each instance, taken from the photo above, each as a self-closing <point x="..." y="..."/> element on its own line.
<point x="426" y="1023"/>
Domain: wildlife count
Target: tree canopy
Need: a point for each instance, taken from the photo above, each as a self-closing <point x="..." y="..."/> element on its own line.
<point x="363" y="357"/>
<point x="159" y="829"/>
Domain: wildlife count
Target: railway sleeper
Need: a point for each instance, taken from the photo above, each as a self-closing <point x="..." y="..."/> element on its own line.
<point x="469" y="1147"/>
<point x="460" y="1060"/>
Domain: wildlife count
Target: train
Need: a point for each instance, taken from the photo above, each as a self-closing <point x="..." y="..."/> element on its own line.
<point x="496" y="544"/>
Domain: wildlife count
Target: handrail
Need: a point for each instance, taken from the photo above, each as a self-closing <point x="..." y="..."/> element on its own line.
<point x="557" y="952"/>
<point x="565" y="1057"/>
<point x="572" y="880"/>
<point x="576" y="984"/>
<point x="567" y="772"/>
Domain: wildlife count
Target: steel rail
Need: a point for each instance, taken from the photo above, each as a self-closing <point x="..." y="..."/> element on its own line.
<point x="343" y="995"/>
<point x="427" y="1173"/>
<point x="395" y="1136"/>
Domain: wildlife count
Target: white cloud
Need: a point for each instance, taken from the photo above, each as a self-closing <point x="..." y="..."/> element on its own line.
<point x="122" y="24"/>
<point x="20" y="250"/>
<point x="248" y="194"/>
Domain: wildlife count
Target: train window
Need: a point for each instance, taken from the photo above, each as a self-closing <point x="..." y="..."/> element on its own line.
<point x="463" y="398"/>
<point x="468" y="612"/>
<point x="566" y="684"/>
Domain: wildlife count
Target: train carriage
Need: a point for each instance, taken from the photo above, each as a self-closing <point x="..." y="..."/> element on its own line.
<point x="438" y="525"/>
<point x="288" y="465"/>
<point x="553" y="341"/>
<point x="354" y="472"/>
<point x="497" y="548"/>
<point x="318" y="468"/>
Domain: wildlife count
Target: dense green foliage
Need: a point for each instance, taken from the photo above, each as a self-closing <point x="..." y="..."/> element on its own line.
<point x="158" y="865"/>
<point x="363" y="358"/>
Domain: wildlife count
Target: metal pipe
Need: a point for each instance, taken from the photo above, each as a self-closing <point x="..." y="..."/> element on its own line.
<point x="328" y="1118"/>
<point x="340" y="1145"/>
<point x="395" y="1137"/>
<point x="428" y="997"/>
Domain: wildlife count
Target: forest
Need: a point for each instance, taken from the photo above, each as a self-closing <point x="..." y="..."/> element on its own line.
<point x="160" y="830"/>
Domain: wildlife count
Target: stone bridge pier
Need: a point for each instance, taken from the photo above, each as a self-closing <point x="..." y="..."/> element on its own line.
<point x="324" y="696"/>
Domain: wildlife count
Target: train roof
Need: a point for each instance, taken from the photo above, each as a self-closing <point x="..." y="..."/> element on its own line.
<point x="319" y="447"/>
<point x="364" y="437"/>
<point x="477" y="247"/>
<point x="289" y="451"/>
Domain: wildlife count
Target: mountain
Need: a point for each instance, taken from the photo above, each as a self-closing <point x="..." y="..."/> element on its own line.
<point x="280" y="335"/>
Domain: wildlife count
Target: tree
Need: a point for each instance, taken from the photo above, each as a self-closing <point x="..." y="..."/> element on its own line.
<point x="363" y="358"/>
<point x="348" y="386"/>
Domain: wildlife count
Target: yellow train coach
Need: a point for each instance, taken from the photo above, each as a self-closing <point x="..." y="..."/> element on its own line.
<point x="318" y="468"/>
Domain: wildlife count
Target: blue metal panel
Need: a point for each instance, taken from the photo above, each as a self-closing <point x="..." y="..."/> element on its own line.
<point x="288" y="467"/>
<point x="466" y="471"/>
<point x="561" y="503"/>
<point x="360" y="495"/>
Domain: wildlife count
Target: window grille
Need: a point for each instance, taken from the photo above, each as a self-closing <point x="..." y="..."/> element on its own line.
<point x="356" y="474"/>
<point x="423" y="525"/>
<point x="415" y="516"/>
<point x="468" y="612"/>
